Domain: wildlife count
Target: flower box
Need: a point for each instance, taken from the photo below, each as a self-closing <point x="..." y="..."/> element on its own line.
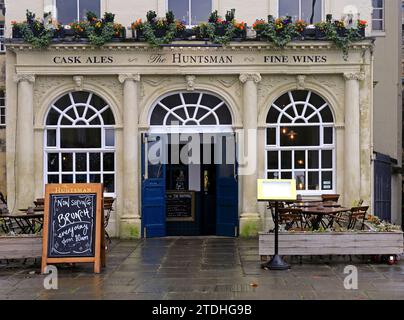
<point x="186" y="34"/>
<point x="320" y="34"/>
<point x="332" y="243"/>
<point x="16" y="33"/>
<point x="341" y="32"/>
<point x="310" y="32"/>
<point x="20" y="247"/>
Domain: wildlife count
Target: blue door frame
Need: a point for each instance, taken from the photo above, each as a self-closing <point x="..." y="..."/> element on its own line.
<point x="153" y="191"/>
<point x="382" y="186"/>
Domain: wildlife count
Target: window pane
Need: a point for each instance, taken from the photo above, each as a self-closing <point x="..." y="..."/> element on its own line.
<point x="51" y="138"/>
<point x="89" y="5"/>
<point x="109" y="183"/>
<point x="311" y="10"/>
<point x="200" y="11"/>
<point x="95" y="162"/>
<point x="273" y="175"/>
<point x="313" y="159"/>
<point x="328" y="135"/>
<point x="95" y="178"/>
<point x="273" y="161"/>
<point x="109" y="137"/>
<point x="289" y="8"/>
<point x="81" y="178"/>
<point x="273" y="115"/>
<point x="80" y="138"/>
<point x="53" y="162"/>
<point x="314" y="183"/>
<point x="67" y="162"/>
<point x="377" y="3"/>
<point x="286" y="175"/>
<point x="326" y="180"/>
<point x="326" y="159"/>
<point x="53" y="178"/>
<point x="81" y="162"/>
<point x="271" y="136"/>
<point x="66" y="11"/>
<point x="109" y="162"/>
<point x="67" y="178"/>
<point x="300" y="159"/>
<point x="180" y="9"/>
<point x="300" y="136"/>
<point x="53" y="117"/>
<point x="286" y="159"/>
<point x="300" y="177"/>
<point x="377" y="25"/>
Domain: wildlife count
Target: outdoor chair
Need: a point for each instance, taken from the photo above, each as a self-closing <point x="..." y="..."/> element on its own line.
<point x="271" y="207"/>
<point x="291" y="217"/>
<point x="108" y="207"/>
<point x="357" y="215"/>
<point x="330" y="197"/>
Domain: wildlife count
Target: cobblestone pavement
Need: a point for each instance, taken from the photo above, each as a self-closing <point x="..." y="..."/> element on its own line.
<point x="202" y="268"/>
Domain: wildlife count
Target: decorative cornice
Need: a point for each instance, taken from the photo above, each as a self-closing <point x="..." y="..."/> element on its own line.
<point x="24" y="77"/>
<point x="128" y="76"/>
<point x="358" y="76"/>
<point x="190" y="82"/>
<point x="256" y="77"/>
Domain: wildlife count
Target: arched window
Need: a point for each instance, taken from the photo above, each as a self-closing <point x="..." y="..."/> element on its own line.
<point x="300" y="142"/>
<point x="80" y="141"/>
<point x="190" y="109"/>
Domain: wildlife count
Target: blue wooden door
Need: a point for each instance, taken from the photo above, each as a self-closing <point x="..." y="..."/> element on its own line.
<point x="153" y="187"/>
<point x="227" y="190"/>
<point x="382" y="187"/>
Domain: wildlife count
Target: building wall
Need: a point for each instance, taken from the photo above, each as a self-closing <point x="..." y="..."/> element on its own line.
<point x="387" y="98"/>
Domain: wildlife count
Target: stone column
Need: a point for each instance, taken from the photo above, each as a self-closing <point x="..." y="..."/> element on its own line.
<point x="250" y="219"/>
<point x="130" y="219"/>
<point x="25" y="177"/>
<point x="352" y="150"/>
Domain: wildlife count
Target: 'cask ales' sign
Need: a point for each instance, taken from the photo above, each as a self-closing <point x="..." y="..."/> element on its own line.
<point x="73" y="225"/>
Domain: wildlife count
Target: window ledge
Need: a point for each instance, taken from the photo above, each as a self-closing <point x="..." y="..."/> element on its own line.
<point x="378" y="33"/>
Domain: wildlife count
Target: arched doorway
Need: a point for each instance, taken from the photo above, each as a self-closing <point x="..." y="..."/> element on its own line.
<point x="80" y="141"/>
<point x="300" y="142"/>
<point x="189" y="181"/>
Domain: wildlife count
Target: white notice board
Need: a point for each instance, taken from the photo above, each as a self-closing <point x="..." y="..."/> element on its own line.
<point x="276" y="189"/>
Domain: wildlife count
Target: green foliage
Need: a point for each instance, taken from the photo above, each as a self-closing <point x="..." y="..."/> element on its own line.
<point x="150" y="36"/>
<point x="38" y="33"/>
<point x="249" y="230"/>
<point x="280" y="31"/>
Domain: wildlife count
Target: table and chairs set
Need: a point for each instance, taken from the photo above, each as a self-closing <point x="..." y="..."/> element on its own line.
<point x="30" y="220"/>
<point x="312" y="215"/>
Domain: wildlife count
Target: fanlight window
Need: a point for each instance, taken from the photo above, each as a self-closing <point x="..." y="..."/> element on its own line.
<point x="190" y="109"/>
<point x="80" y="141"/>
<point x="300" y="141"/>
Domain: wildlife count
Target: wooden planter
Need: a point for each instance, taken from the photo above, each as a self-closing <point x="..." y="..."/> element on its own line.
<point x="20" y="247"/>
<point x="332" y="243"/>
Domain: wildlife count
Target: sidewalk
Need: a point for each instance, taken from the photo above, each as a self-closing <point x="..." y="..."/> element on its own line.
<point x="202" y="268"/>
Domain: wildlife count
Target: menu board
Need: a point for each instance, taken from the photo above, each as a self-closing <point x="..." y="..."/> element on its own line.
<point x="72" y="220"/>
<point x="180" y="205"/>
<point x="73" y="225"/>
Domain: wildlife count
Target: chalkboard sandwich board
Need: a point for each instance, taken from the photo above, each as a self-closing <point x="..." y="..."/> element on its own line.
<point x="180" y="206"/>
<point x="73" y="225"/>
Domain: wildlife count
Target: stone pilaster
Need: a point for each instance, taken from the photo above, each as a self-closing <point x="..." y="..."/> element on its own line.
<point x="25" y="177"/>
<point x="352" y="152"/>
<point x="130" y="219"/>
<point x="250" y="219"/>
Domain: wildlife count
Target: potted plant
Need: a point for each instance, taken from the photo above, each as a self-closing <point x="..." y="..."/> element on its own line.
<point x="119" y="32"/>
<point x="240" y="30"/>
<point x="137" y="30"/>
<point x="181" y="30"/>
<point x="258" y="26"/>
<point x="300" y="27"/>
<point x="200" y="31"/>
<point x="340" y="28"/>
<point x="16" y="30"/>
<point x="79" y="30"/>
<point x="362" y="25"/>
<point x="320" y="30"/>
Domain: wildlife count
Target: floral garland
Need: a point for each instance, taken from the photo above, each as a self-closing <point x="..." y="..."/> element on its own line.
<point x="41" y="41"/>
<point x="280" y="32"/>
<point x="150" y="37"/>
<point x="226" y="38"/>
<point x="99" y="39"/>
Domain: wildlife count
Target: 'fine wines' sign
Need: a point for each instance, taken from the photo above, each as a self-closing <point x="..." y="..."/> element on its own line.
<point x="73" y="224"/>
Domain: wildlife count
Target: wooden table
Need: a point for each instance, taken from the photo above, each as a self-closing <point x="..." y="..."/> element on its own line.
<point x="26" y="222"/>
<point x="313" y="204"/>
<point x="322" y="211"/>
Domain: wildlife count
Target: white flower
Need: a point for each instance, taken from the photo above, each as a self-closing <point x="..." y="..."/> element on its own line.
<point x="67" y="27"/>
